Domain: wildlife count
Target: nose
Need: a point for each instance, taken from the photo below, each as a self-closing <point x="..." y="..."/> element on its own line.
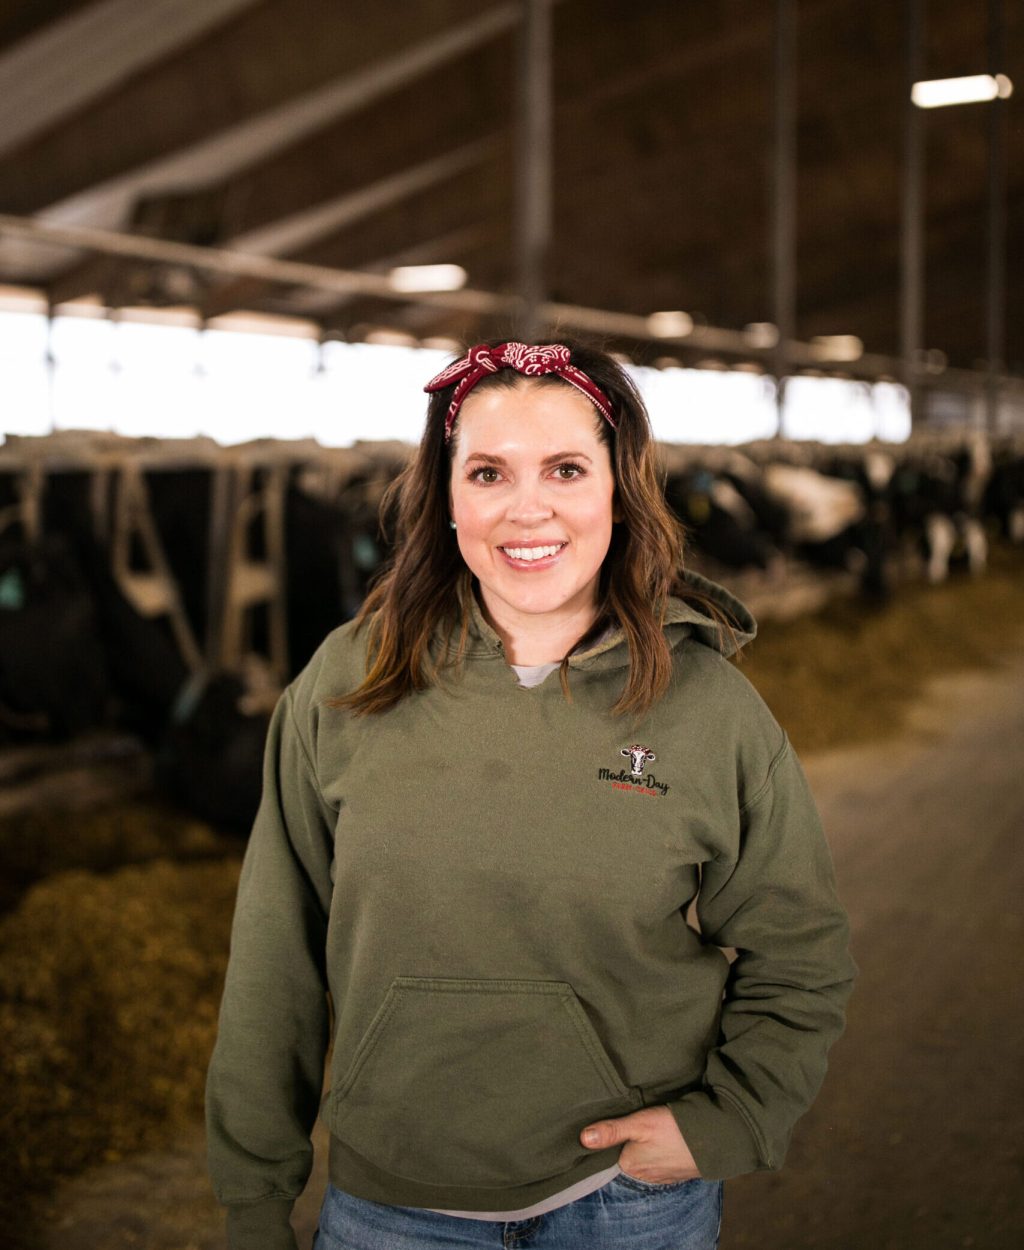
<point x="529" y="505"/>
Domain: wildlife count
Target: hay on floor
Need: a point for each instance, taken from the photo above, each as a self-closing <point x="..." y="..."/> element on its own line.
<point x="109" y="989"/>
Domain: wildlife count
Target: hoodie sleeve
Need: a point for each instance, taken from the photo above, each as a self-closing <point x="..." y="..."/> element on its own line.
<point x="775" y="902"/>
<point x="266" y="1075"/>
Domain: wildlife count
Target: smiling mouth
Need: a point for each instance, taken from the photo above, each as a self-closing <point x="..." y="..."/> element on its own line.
<point x="533" y="553"/>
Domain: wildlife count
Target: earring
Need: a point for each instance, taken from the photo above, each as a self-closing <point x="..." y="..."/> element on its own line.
<point x="452" y="524"/>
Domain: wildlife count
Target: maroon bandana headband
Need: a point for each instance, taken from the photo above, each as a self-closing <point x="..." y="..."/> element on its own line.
<point x="532" y="362"/>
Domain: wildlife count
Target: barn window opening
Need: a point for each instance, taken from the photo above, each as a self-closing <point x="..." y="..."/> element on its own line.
<point x="238" y="382"/>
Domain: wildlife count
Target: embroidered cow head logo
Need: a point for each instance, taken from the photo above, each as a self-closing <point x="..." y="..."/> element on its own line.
<point x="638" y="758"/>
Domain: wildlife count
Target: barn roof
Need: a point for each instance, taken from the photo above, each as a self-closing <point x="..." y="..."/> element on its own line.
<point x="361" y="136"/>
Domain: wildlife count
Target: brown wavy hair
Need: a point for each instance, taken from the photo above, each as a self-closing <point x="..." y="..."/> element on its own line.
<point x="422" y="592"/>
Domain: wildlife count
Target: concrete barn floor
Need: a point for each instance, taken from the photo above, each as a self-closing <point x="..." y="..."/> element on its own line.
<point x="915" y="1143"/>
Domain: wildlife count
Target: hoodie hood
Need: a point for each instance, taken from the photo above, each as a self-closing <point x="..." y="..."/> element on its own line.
<point x="683" y="619"/>
<point x="702" y="626"/>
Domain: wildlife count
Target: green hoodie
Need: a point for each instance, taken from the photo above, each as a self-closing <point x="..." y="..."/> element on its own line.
<point x="492" y="884"/>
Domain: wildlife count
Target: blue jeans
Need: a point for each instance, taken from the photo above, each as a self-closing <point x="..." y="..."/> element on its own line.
<point x="626" y="1214"/>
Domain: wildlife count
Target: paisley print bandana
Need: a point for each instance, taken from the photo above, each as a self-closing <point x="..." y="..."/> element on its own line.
<point x="532" y="362"/>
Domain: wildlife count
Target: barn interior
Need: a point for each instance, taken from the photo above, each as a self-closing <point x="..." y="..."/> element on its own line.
<point x="723" y="193"/>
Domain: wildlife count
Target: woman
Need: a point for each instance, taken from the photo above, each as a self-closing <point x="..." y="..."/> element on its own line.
<point x="489" y="868"/>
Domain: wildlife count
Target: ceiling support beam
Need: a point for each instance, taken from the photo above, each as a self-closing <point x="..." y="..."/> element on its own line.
<point x="238" y="264"/>
<point x="57" y="71"/>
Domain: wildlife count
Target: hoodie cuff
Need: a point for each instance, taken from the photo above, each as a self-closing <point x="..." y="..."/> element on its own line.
<point x="720" y="1139"/>
<point x="261" y="1225"/>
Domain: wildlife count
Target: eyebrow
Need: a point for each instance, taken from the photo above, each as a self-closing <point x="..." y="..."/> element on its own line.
<point x="559" y="455"/>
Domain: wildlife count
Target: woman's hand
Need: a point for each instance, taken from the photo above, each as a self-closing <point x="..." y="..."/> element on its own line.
<point x="653" y="1149"/>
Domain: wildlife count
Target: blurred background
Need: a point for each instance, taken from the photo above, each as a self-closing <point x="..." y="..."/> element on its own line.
<point x="237" y="237"/>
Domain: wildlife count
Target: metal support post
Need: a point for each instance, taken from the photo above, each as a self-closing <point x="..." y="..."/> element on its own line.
<point x="783" y="201"/>
<point x="912" y="222"/>
<point x="533" y="166"/>
<point x="995" y="286"/>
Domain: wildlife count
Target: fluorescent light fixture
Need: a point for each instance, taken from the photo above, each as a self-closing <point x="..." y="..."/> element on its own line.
<point x="441" y="343"/>
<point x="838" y="347"/>
<point x="382" y="336"/>
<point x="670" y="325"/>
<point x="89" y="308"/>
<point x="181" y="315"/>
<point x="940" y="92"/>
<point x="244" y="321"/>
<point x="762" y="334"/>
<point x="427" y="278"/>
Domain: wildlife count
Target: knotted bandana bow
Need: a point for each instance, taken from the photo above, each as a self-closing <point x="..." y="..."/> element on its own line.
<point x="532" y="362"/>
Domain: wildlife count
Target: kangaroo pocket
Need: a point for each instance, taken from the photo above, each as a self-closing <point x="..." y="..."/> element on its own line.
<point x="484" y="1083"/>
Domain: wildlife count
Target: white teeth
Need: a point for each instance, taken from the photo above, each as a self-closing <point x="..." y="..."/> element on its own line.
<point x="532" y="553"/>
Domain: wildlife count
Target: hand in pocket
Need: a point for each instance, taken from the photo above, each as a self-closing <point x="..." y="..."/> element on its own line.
<point x="653" y="1149"/>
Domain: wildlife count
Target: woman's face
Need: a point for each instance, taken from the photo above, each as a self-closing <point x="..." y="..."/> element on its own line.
<point x="532" y="495"/>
